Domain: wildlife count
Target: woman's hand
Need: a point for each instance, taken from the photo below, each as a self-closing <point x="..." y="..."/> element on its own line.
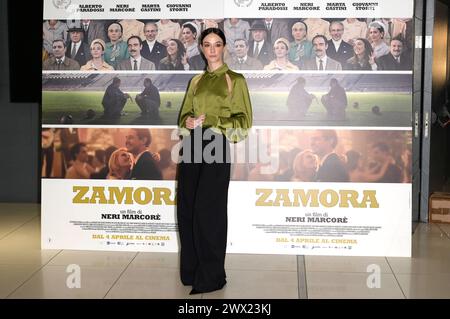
<point x="192" y="122"/>
<point x="184" y="59"/>
<point x="156" y="157"/>
<point x="372" y="58"/>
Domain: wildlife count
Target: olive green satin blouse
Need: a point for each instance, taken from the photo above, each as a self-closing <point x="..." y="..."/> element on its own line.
<point x="209" y="94"/>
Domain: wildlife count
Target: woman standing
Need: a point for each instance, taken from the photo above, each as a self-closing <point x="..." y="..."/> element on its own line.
<point x="217" y="106"/>
<point x="363" y="57"/>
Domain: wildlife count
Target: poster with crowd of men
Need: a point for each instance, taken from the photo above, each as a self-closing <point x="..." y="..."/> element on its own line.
<point x="325" y="170"/>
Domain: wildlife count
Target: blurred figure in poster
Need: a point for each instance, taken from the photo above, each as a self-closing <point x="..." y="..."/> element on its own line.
<point x="363" y="57"/>
<point x="120" y="164"/>
<point x="281" y="61"/>
<point x="132" y="27"/>
<point x="396" y="59"/>
<point x="175" y="58"/>
<point x="102" y="172"/>
<point x="93" y="30"/>
<point x="53" y="30"/>
<point x="152" y="49"/>
<point x="382" y="158"/>
<point x="338" y="49"/>
<point x="305" y="167"/>
<point x="97" y="63"/>
<point x="276" y="28"/>
<point x="299" y="100"/>
<point x="58" y="61"/>
<point x="76" y="48"/>
<point x="166" y="165"/>
<point x="376" y="36"/>
<point x="321" y="61"/>
<point x="335" y="101"/>
<point x="116" y="49"/>
<point x="331" y="167"/>
<point x="259" y="47"/>
<point x="241" y="60"/>
<point x="317" y="26"/>
<point x="407" y="166"/>
<point x="145" y="166"/>
<point x="192" y="58"/>
<point x="353" y="29"/>
<point x="235" y="28"/>
<point x="359" y="173"/>
<point x="114" y="99"/>
<point x="167" y="30"/>
<point x="149" y="100"/>
<point x="136" y="62"/>
<point x="301" y="48"/>
<point x="80" y="168"/>
<point x="47" y="152"/>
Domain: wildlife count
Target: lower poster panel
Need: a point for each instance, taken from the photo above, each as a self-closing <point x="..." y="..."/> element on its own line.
<point x="298" y="218"/>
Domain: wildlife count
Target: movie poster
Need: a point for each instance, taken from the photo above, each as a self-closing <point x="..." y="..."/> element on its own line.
<point x="325" y="170"/>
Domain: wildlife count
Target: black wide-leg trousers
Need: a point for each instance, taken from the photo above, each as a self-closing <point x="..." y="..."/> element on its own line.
<point x="202" y="195"/>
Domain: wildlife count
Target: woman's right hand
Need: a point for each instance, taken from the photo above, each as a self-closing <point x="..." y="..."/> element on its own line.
<point x="184" y="59"/>
<point x="192" y="122"/>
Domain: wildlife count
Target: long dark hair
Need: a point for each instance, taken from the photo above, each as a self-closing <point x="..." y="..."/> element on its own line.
<point x="191" y="27"/>
<point x="180" y="50"/>
<point x="367" y="53"/>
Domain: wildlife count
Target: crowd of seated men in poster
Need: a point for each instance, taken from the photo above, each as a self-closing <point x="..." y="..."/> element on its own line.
<point x="252" y="44"/>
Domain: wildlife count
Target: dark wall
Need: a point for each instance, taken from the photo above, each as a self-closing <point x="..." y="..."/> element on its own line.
<point x="440" y="137"/>
<point x="19" y="129"/>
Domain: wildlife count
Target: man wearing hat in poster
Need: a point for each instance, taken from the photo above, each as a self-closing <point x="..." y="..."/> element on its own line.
<point x="259" y="47"/>
<point x="76" y="48"/>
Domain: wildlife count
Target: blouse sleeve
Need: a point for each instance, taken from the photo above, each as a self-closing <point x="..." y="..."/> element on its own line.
<point x="236" y="126"/>
<point x="187" y="108"/>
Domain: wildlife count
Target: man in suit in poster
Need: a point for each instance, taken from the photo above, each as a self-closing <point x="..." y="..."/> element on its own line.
<point x="76" y="48"/>
<point x="93" y="30"/>
<point x="145" y="166"/>
<point x="136" y="62"/>
<point x="338" y="49"/>
<point x="241" y="60"/>
<point x="59" y="61"/>
<point x="331" y="169"/>
<point x="321" y="62"/>
<point x="396" y="59"/>
<point x="151" y="49"/>
<point x="276" y="29"/>
<point x="260" y="48"/>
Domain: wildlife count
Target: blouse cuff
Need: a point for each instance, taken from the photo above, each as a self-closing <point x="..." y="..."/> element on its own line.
<point x="183" y="131"/>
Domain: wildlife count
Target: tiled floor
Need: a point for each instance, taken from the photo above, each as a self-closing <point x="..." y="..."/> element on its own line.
<point x="28" y="272"/>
